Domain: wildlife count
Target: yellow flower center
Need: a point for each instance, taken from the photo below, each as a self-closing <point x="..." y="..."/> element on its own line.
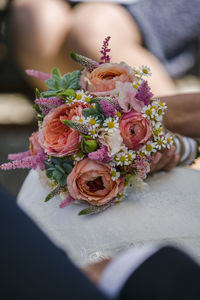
<point x="113" y="173"/>
<point x="129" y="157"/>
<point x="119" y="114"/>
<point x="79" y="154"/>
<point x="80" y="120"/>
<point x="92" y="122"/>
<point x="135" y="86"/>
<point x="160" y="103"/>
<point x="160" y="142"/>
<point x="78" y="97"/>
<point x="122" y="158"/>
<point x="149" y="148"/>
<point x="92" y="132"/>
<point x="168" y="139"/>
<point x="156" y="132"/>
<point x="70" y="100"/>
<point x="111" y="124"/>
<point x="87" y="99"/>
<point x="160" y="112"/>
<point x="148" y="112"/>
<point x="145" y="71"/>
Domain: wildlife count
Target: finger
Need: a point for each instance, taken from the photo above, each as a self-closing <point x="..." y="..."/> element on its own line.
<point x="173" y="163"/>
<point x="165" y="159"/>
<point x="155" y="159"/>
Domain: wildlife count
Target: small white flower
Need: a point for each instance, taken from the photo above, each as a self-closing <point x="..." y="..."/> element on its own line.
<point x="131" y="155"/>
<point x="93" y="133"/>
<point x="69" y="100"/>
<point x="149" y="148"/>
<point x="149" y="112"/>
<point x="121" y="159"/>
<point x="145" y="70"/>
<point x="160" y="143"/>
<point x="81" y="119"/>
<point x="93" y="122"/>
<point x="78" y="156"/>
<point x="169" y="140"/>
<point x="80" y="95"/>
<point x="111" y="124"/>
<point x="115" y="174"/>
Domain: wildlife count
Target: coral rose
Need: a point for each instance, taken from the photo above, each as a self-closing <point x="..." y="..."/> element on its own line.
<point x="92" y="181"/>
<point x="102" y="80"/>
<point x="56" y="138"/>
<point x="135" y="130"/>
<point x="35" y="146"/>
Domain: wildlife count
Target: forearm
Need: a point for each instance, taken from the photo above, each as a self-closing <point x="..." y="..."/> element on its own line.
<point x="183" y="114"/>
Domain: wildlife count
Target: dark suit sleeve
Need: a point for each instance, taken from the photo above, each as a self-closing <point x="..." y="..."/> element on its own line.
<point x="31" y="267"/>
<point x="167" y="275"/>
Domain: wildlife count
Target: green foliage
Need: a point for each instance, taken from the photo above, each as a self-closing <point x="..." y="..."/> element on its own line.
<point x="67" y="81"/>
<point x="88" y="144"/>
<point x="94" y="111"/>
<point x="53" y="193"/>
<point x="94" y="209"/>
<point x="57" y="169"/>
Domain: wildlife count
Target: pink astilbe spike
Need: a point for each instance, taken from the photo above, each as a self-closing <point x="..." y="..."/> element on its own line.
<point x="143" y="93"/>
<point x="142" y="165"/>
<point x="29" y="162"/>
<point x="37" y="74"/>
<point x="107" y="108"/>
<point x="17" y="156"/>
<point x="46" y="104"/>
<point x="67" y="201"/>
<point x="105" y="58"/>
<point x="101" y="154"/>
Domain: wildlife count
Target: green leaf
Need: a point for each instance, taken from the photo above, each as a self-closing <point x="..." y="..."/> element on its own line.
<point x="37" y="93"/>
<point x="94" y="209"/>
<point x="54" y="192"/>
<point x="56" y="73"/>
<point x="67" y="167"/>
<point x="67" y="93"/>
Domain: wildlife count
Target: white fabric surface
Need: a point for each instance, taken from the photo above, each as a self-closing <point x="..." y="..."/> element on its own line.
<point x="168" y="212"/>
<point x="122" y="267"/>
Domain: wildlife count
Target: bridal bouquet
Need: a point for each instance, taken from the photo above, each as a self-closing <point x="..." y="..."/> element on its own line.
<point x="98" y="129"/>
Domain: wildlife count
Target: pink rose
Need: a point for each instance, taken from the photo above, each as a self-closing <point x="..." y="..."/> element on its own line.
<point x="56" y="138"/>
<point x="92" y="181"/>
<point x="135" y="130"/>
<point x="35" y="146"/>
<point x="103" y="79"/>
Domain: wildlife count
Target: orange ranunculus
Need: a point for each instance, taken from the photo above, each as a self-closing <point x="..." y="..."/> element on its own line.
<point x="92" y="181"/>
<point x="56" y="138"/>
<point x="135" y="130"/>
<point x="102" y="80"/>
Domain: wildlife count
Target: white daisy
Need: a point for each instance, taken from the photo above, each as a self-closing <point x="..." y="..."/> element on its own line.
<point x="93" y="122"/>
<point x="160" y="143"/>
<point x="115" y="174"/>
<point x="149" y="112"/>
<point x="121" y="159"/>
<point x="81" y="119"/>
<point x="80" y="95"/>
<point x="145" y="70"/>
<point x="169" y="140"/>
<point x="111" y="124"/>
<point x="149" y="148"/>
<point x="77" y="156"/>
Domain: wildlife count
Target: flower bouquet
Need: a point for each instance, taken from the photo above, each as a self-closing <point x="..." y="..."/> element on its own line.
<point x="98" y="129"/>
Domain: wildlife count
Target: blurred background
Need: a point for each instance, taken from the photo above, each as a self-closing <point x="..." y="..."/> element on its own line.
<point x="40" y="34"/>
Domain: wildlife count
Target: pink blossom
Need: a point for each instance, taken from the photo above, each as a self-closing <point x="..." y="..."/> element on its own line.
<point x="29" y="162"/>
<point x="126" y="97"/>
<point x="107" y="108"/>
<point x="46" y="104"/>
<point x="101" y="154"/>
<point x="143" y="93"/>
<point x="67" y="201"/>
<point x="142" y="165"/>
<point x="37" y="74"/>
<point x="105" y="58"/>
<point x="17" y="156"/>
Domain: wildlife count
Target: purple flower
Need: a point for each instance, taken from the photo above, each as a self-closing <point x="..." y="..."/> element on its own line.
<point x="17" y="156"/>
<point x="67" y="201"/>
<point x="142" y="165"/>
<point x="46" y="104"/>
<point x="105" y="58"/>
<point x="101" y="154"/>
<point x="37" y="74"/>
<point x="107" y="108"/>
<point x="29" y="162"/>
<point x="143" y="93"/>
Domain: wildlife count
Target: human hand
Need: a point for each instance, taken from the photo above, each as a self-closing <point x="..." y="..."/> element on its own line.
<point x="94" y="271"/>
<point x="164" y="160"/>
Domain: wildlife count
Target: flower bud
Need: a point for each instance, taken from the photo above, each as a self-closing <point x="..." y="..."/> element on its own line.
<point x="88" y="144"/>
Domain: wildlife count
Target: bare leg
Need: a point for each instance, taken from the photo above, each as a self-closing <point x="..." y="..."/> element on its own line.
<point x="93" y="22"/>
